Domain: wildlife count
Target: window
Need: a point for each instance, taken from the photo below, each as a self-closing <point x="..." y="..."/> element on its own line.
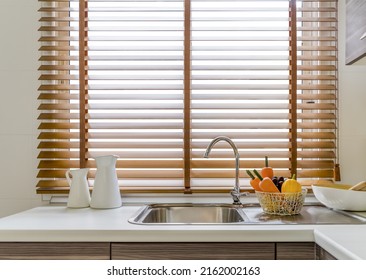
<point x="154" y="81"/>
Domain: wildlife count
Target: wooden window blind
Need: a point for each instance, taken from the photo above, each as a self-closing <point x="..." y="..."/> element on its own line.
<point x="154" y="81"/>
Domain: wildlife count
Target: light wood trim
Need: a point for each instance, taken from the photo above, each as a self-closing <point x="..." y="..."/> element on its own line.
<point x="58" y="96"/>
<point x="318" y="125"/>
<point x="229" y="164"/>
<point x="136" y="144"/>
<point x="316" y="145"/>
<point x="58" y="116"/>
<point x="58" y="135"/>
<point x="57" y="67"/>
<point x="53" y="184"/>
<point x="321" y="164"/>
<point x="50" y="58"/>
<point x="215" y="174"/>
<point x="58" y="20"/>
<point x="57" y="145"/>
<point x="141" y="154"/>
<point x="137" y="174"/>
<point x="247" y="135"/>
<point x="240" y="125"/>
<point x="236" y="105"/>
<point x="58" y="87"/>
<point x="134" y="163"/>
<point x="57" y="154"/>
<point x="317" y="87"/>
<point x="316" y="173"/>
<point x="136" y="106"/>
<point x="193" y="251"/>
<point x="317" y="67"/>
<point x="320" y="116"/>
<point x="197" y="163"/>
<point x="63" y="164"/>
<point x="57" y="126"/>
<point x="52" y="77"/>
<point x="316" y="135"/>
<point x="133" y="190"/>
<point x="137" y="125"/>
<point x="59" y="106"/>
<point x="55" y="28"/>
<point x="266" y="145"/>
<point x="133" y="135"/>
<point x="137" y="115"/>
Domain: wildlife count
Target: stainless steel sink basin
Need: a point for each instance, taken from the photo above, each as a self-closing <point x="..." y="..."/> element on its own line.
<point x="229" y="214"/>
<point x="186" y="213"/>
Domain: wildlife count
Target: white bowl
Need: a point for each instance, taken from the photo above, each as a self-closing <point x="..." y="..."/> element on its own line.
<point x="341" y="199"/>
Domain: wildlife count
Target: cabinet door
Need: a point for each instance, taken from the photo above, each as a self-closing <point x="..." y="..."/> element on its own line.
<point x="54" y="251"/>
<point x="322" y="254"/>
<point x="295" y="251"/>
<point x="193" y="251"/>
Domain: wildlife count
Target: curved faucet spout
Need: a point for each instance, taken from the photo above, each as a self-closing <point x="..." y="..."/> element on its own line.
<point x="235" y="193"/>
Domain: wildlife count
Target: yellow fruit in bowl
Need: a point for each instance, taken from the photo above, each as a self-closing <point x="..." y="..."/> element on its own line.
<point x="291" y="185"/>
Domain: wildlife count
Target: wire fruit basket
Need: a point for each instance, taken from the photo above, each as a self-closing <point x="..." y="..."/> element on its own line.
<point x="282" y="203"/>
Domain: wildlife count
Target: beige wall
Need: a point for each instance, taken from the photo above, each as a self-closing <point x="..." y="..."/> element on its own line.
<point x="18" y="89"/>
<point x="18" y="105"/>
<point x="352" y="111"/>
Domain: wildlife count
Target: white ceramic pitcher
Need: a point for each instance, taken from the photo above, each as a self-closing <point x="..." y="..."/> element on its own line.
<point x="106" y="192"/>
<point x="79" y="196"/>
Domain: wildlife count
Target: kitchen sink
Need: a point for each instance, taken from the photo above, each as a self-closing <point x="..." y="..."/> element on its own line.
<point x="229" y="214"/>
<point x="187" y="213"/>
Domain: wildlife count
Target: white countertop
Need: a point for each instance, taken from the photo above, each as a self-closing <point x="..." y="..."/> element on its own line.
<point x="343" y="242"/>
<point x="59" y="223"/>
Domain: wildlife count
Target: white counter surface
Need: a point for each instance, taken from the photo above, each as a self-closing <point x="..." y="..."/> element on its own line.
<point x="58" y="223"/>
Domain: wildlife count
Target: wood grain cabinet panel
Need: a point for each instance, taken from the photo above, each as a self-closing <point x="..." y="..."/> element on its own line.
<point x="160" y="251"/>
<point x="295" y="251"/>
<point x="55" y="251"/>
<point x="193" y="251"/>
<point x="322" y="254"/>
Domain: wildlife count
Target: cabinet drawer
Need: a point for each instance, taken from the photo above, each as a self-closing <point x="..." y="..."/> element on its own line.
<point x="193" y="251"/>
<point x="55" y="251"/>
<point x="295" y="251"/>
<point x="322" y="254"/>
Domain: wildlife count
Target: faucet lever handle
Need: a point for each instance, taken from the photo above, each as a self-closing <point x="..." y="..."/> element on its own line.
<point x="234" y="192"/>
<point x="236" y="196"/>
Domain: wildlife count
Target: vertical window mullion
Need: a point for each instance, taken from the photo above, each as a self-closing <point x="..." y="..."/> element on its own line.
<point x="187" y="96"/>
<point x="83" y="17"/>
<point x="293" y="87"/>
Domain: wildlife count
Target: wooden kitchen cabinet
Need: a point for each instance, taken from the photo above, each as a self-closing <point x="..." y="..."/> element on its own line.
<point x="161" y="251"/>
<point x="224" y="251"/>
<point x="322" y="254"/>
<point x="54" y="251"/>
<point x="194" y="251"/>
<point x="295" y="251"/>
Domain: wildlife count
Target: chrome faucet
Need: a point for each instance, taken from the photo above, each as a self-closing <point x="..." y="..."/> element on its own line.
<point x="235" y="193"/>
